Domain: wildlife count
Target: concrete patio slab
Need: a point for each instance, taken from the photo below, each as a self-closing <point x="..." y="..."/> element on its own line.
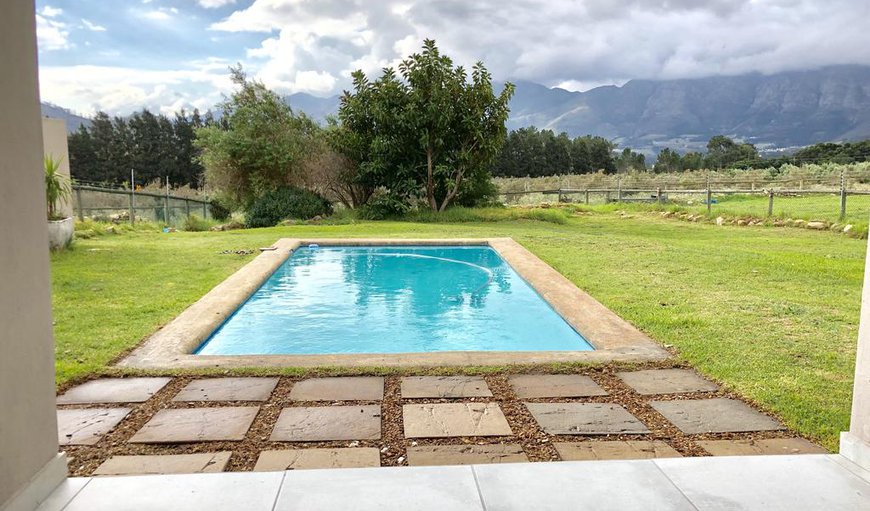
<point x="228" y="389"/>
<point x="184" y="425"/>
<point x="666" y="381"/>
<point x="199" y="463"/>
<point x="414" y="387"/>
<point x="585" y="419"/>
<point x="87" y="426"/>
<point x="113" y="390"/>
<point x="320" y="423"/>
<point x="454" y="420"/>
<point x="531" y="386"/>
<point x="349" y="388"/>
<point x="772" y="483"/>
<point x="429" y="455"/>
<point x="302" y="459"/>
<point x="251" y="491"/>
<point x="379" y="489"/>
<point x="719" y="415"/>
<point x="760" y="447"/>
<point x="599" y="485"/>
<point x="64" y="493"/>
<point x="615" y="450"/>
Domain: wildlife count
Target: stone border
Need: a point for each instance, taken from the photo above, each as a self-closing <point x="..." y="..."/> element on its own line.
<point x="613" y="338"/>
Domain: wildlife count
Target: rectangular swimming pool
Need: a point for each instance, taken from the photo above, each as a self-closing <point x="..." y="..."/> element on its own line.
<point x="393" y="299"/>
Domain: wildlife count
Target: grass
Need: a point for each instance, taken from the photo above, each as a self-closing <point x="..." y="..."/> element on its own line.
<point x="807" y="207"/>
<point x="770" y="312"/>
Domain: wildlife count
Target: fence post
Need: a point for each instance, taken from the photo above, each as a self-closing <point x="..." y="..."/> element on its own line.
<point x="205" y="212"/>
<point x="770" y="202"/>
<point x="587" y="196"/>
<point x="618" y="189"/>
<point x="560" y="195"/>
<point x="132" y="208"/>
<point x="187" y="207"/>
<point x="166" y="204"/>
<point x="709" y="198"/>
<point x="81" y="206"/>
<point x="842" y="195"/>
<point x="659" y="194"/>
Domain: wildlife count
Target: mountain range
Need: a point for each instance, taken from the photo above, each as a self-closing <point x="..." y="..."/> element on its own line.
<point x="776" y="111"/>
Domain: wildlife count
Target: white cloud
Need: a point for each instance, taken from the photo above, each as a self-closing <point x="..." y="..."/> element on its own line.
<point x="314" y="45"/>
<point x="50" y="12"/>
<point x="563" y="42"/>
<point x="51" y="35"/>
<point x="93" y="26"/>
<point x="214" y="4"/>
<point x="121" y="90"/>
<point x="157" y="15"/>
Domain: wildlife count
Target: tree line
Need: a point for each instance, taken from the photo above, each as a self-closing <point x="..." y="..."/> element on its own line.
<point x="155" y="147"/>
<point x="428" y="135"/>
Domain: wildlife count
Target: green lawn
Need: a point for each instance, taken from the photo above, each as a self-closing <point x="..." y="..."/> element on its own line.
<point x="771" y="312"/>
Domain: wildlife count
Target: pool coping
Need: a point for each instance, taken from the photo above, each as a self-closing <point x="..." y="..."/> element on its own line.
<point x="614" y="339"/>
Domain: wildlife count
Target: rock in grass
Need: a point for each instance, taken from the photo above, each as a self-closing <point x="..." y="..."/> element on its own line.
<point x="847" y="229"/>
<point x="817" y="225"/>
<point x="720" y="220"/>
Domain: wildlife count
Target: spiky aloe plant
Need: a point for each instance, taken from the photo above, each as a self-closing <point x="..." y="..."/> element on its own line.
<point x="57" y="186"/>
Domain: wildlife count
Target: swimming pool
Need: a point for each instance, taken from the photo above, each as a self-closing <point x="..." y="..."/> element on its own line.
<point x="393" y="299"/>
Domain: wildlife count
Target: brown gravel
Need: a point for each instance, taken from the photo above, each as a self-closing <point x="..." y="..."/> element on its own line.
<point x="537" y="444"/>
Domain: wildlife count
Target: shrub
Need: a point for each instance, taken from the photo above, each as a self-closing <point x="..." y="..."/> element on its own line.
<point x="194" y="223"/>
<point x="383" y="207"/>
<point x="219" y="210"/>
<point x="286" y="202"/>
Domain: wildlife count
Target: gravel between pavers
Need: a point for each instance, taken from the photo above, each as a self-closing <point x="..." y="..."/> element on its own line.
<point x="536" y="444"/>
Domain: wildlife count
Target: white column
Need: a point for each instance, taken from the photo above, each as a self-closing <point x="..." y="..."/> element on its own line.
<point x="30" y="467"/>
<point x="855" y="443"/>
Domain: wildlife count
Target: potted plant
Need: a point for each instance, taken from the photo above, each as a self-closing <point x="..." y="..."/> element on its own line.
<point x="57" y="189"/>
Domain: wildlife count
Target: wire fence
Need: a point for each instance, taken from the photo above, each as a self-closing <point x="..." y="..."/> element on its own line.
<point x="840" y="198"/>
<point x="125" y="205"/>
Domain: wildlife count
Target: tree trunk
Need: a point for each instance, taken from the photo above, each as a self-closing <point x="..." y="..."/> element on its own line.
<point x="452" y="193"/>
<point x="430" y="179"/>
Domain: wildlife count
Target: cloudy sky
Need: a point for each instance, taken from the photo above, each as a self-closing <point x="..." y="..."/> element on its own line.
<point x="120" y="56"/>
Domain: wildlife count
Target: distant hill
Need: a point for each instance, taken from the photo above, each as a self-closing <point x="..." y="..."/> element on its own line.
<point x="772" y="111"/>
<point x="781" y="110"/>
<point x="73" y="121"/>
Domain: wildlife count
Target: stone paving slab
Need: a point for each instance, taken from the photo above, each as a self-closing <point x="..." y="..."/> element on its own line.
<point x="228" y="389"/>
<point x="113" y="390"/>
<point x="87" y="426"/>
<point x="200" y="463"/>
<point x="444" y="387"/>
<point x="666" y="381"/>
<point x="321" y="423"/>
<point x="760" y="447"/>
<point x="454" y="420"/>
<point x="585" y="419"/>
<point x="184" y="425"/>
<point x="615" y="450"/>
<point x="531" y="386"/>
<point x="718" y="415"/>
<point x="342" y="388"/>
<point x="302" y="459"/>
<point x="428" y="455"/>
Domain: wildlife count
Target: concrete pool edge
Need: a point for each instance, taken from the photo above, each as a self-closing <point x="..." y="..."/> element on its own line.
<point x="613" y="338"/>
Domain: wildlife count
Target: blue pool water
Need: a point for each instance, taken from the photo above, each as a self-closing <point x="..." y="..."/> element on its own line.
<point x="385" y="299"/>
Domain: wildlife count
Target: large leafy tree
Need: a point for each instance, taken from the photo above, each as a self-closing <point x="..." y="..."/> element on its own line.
<point x="259" y="145"/>
<point x="431" y="130"/>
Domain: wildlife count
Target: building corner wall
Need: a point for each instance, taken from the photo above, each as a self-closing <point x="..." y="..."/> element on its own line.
<point x="28" y="423"/>
<point x="855" y="443"/>
<point x="55" y="145"/>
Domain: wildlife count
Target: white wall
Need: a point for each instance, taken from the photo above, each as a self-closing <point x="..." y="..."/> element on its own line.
<point x="28" y="429"/>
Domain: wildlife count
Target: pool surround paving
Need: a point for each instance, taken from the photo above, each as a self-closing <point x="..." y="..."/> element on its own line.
<point x="614" y="339"/>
